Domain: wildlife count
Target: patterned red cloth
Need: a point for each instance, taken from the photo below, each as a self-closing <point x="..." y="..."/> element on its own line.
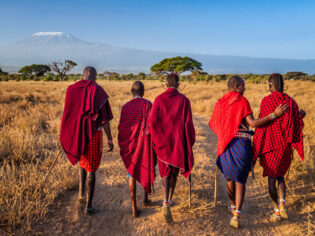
<point x="227" y="116"/>
<point x="86" y="109"/>
<point x="91" y="159"/>
<point x="277" y="134"/>
<point x="134" y="139"/>
<point x="172" y="130"/>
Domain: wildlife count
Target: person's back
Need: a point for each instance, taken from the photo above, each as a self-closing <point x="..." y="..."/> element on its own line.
<point x="274" y="141"/>
<point x="173" y="135"/>
<point x="135" y="144"/>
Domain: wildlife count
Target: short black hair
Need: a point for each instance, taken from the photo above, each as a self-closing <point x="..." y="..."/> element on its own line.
<point x="234" y="81"/>
<point x="277" y="81"/>
<point x="172" y="80"/>
<point x="89" y="73"/>
<point x="137" y="88"/>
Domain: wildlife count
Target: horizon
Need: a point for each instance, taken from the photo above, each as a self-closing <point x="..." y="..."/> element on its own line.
<point x="226" y="28"/>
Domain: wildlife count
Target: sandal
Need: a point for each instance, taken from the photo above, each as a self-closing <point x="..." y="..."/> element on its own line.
<point x="275" y="216"/>
<point x="91" y="211"/>
<point x="136" y="213"/>
<point x="147" y="202"/>
<point x="283" y="210"/>
<point x="167" y="213"/>
<point x="235" y="221"/>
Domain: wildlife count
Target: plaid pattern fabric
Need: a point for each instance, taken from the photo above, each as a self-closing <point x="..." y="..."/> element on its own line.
<point x="235" y="162"/>
<point x="134" y="139"/>
<point x="272" y="140"/>
<point x="91" y="160"/>
<point x="277" y="162"/>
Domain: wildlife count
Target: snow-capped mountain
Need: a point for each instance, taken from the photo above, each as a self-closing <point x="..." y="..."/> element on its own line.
<point x="46" y="47"/>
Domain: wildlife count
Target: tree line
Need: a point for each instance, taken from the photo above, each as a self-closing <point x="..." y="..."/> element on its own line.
<point x="187" y="68"/>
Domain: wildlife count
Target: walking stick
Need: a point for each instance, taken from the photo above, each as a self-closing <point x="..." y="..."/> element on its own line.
<point x="215" y="185"/>
<point x="153" y="191"/>
<point x="52" y="165"/>
<point x="189" y="190"/>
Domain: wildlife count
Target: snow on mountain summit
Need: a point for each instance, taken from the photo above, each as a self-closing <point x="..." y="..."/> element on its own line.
<point x="51" y="34"/>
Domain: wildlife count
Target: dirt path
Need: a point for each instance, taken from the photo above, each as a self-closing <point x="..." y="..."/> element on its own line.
<point x="112" y="198"/>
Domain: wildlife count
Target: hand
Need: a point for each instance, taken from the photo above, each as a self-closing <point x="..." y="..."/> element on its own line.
<point x="110" y="145"/>
<point x="281" y="109"/>
<point x="303" y="113"/>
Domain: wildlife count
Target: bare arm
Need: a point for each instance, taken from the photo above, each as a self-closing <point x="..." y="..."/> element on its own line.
<point x="108" y="133"/>
<point x="279" y="111"/>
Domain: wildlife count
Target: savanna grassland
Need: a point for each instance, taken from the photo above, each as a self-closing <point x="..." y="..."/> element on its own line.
<point x="30" y="116"/>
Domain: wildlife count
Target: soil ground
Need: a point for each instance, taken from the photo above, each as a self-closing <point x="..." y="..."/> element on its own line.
<point x="203" y="218"/>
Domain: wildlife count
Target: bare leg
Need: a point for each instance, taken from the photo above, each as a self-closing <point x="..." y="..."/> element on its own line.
<point x="82" y="178"/>
<point x="145" y="196"/>
<point x="240" y="194"/>
<point x="90" y="188"/>
<point x="173" y="180"/>
<point x="273" y="191"/>
<point x="281" y="187"/>
<point x="231" y="191"/>
<point x="133" y="195"/>
<point x="166" y="187"/>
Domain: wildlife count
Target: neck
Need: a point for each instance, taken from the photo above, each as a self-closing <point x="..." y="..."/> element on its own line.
<point x="136" y="96"/>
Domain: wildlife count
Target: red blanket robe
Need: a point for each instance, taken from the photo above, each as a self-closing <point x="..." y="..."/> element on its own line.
<point x="134" y="139"/>
<point x="172" y="130"/>
<point x="86" y="109"/>
<point x="285" y="130"/>
<point x="227" y="116"/>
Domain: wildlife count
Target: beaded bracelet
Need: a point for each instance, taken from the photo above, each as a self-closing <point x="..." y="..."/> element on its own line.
<point x="272" y="116"/>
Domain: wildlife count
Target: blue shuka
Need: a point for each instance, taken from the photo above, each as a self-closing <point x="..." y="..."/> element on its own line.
<point x="235" y="163"/>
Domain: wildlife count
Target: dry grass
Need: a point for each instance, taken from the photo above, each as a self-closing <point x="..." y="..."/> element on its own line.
<point x="30" y="114"/>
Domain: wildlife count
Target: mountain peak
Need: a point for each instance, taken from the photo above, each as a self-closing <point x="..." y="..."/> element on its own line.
<point x="49" y="34"/>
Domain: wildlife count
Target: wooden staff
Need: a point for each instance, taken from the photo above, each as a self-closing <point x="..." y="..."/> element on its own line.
<point x="153" y="191"/>
<point x="215" y="185"/>
<point x="52" y="165"/>
<point x="189" y="190"/>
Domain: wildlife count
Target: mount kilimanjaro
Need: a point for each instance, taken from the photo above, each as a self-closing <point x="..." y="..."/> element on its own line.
<point x="45" y="47"/>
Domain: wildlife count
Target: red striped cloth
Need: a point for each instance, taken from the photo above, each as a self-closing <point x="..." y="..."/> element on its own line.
<point x="279" y="133"/>
<point x="172" y="130"/>
<point x="134" y="139"/>
<point x="227" y="116"/>
<point x="91" y="159"/>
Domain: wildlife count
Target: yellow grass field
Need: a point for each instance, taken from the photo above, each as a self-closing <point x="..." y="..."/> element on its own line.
<point x="30" y="116"/>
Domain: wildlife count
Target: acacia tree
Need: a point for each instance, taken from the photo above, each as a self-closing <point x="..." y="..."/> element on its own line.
<point x="176" y="65"/>
<point x="2" y="72"/>
<point x="62" y="68"/>
<point x="35" y="69"/>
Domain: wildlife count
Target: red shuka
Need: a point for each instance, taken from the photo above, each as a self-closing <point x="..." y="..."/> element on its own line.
<point x="227" y="116"/>
<point x="285" y="130"/>
<point x="135" y="143"/>
<point x="172" y="130"/>
<point x="86" y="109"/>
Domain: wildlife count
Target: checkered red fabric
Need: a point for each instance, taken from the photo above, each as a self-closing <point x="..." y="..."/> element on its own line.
<point x="91" y="160"/>
<point x="134" y="139"/>
<point x="279" y="133"/>
<point x="277" y="162"/>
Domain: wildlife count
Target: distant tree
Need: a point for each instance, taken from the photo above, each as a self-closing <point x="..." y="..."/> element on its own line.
<point x="2" y="72"/>
<point x="62" y="68"/>
<point x="176" y="65"/>
<point x="35" y="69"/>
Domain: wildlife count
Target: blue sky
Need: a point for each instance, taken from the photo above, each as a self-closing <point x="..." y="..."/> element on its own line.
<point x="274" y="29"/>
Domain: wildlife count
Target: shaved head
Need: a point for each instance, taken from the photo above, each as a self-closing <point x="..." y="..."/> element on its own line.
<point x="137" y="88"/>
<point x="235" y="82"/>
<point x="89" y="73"/>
